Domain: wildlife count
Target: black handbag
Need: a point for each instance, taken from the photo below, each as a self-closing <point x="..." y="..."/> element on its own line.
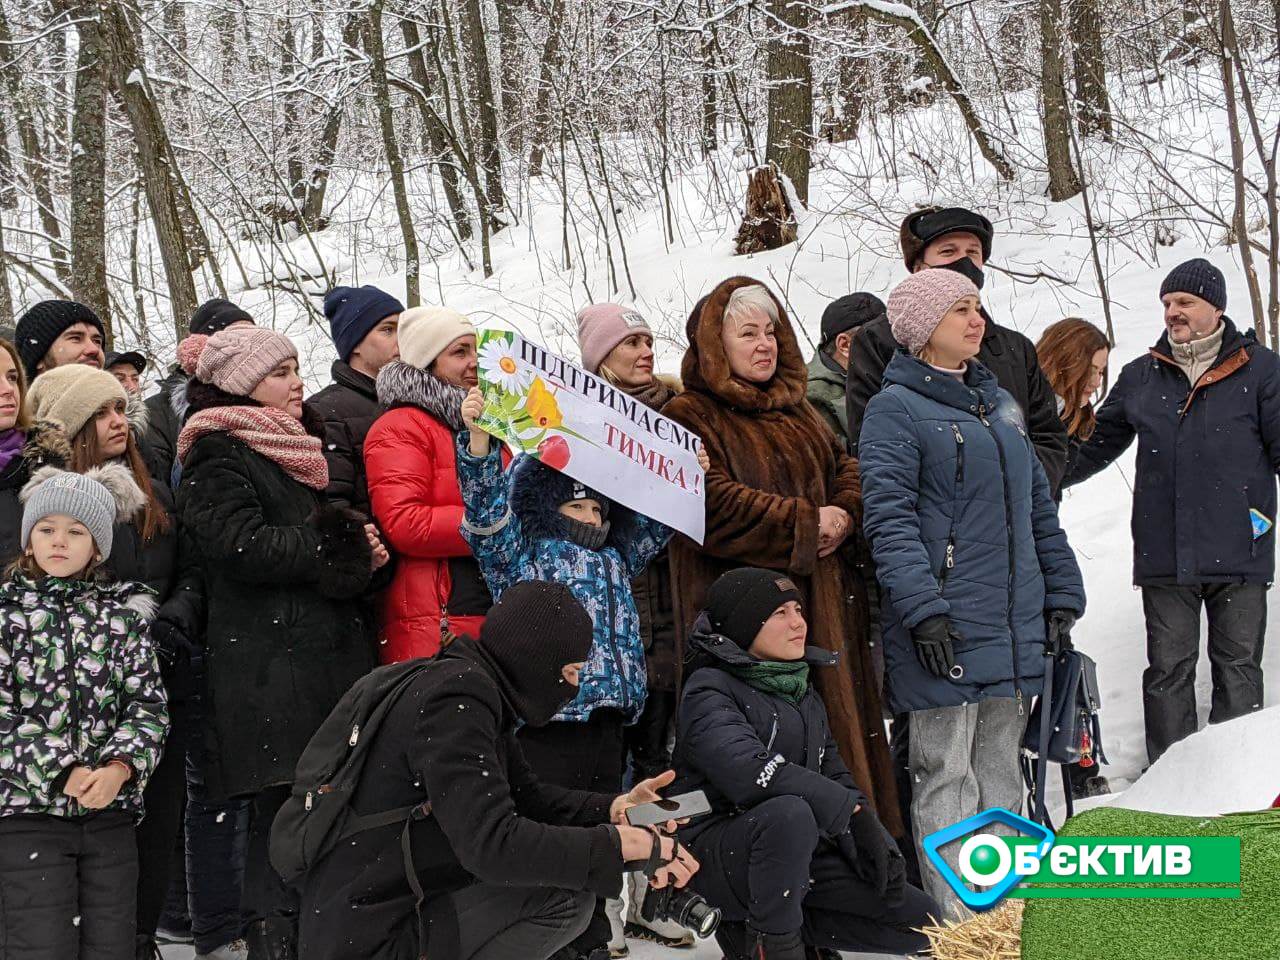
<point x="1063" y="727"/>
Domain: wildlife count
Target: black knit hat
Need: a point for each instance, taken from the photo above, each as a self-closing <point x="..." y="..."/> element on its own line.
<point x="528" y="636"/>
<point x="44" y="323"/>
<point x="921" y="228"/>
<point x="851" y="310"/>
<point x="741" y="601"/>
<point x="216" y="314"/>
<point x="1199" y="278"/>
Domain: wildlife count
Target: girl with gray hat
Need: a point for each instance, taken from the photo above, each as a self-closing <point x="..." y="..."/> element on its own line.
<point x="83" y="719"/>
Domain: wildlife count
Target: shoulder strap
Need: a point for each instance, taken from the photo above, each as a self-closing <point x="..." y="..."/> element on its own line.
<point x="1038" y="813"/>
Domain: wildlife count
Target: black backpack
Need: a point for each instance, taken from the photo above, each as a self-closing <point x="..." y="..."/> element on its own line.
<point x="318" y="815"/>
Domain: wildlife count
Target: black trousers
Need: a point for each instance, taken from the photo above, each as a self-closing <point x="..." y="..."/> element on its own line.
<point x="648" y="741"/>
<point x="265" y="895"/>
<point x="580" y="756"/>
<point x="67" y="887"/>
<point x="767" y="867"/>
<point x="1237" y="614"/>
<point x="518" y="923"/>
<point x="160" y="831"/>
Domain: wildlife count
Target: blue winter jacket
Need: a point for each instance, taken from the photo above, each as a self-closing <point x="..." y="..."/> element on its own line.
<point x="1207" y="455"/>
<point x="510" y="523"/>
<point x="961" y="523"/>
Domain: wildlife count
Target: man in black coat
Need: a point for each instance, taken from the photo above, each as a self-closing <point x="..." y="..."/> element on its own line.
<point x="1204" y="405"/>
<point x="960" y="240"/>
<point x="508" y="866"/>
<point x="363" y="322"/>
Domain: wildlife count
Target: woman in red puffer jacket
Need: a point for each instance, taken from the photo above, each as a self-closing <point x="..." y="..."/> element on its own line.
<point x="413" y="486"/>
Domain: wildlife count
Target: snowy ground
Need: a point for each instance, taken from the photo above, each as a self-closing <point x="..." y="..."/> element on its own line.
<point x="1040" y="271"/>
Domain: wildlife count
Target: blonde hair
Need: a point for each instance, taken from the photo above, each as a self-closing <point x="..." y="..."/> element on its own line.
<point x="745" y="300"/>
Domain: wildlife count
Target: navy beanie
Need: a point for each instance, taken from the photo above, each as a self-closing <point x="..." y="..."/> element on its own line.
<point x="1199" y="278"/>
<point x="44" y="323"/>
<point x="354" y="311"/>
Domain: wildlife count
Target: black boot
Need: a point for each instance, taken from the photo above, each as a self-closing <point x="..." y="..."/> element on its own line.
<point x="778" y="946"/>
<point x="734" y="939"/>
<point x="273" y="939"/>
<point x="146" y="949"/>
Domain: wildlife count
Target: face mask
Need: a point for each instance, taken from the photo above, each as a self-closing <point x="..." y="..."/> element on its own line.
<point x="966" y="268"/>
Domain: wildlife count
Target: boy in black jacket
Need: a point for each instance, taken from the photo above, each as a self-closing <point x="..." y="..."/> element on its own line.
<point x="792" y="852"/>
<point x="509" y="866"/>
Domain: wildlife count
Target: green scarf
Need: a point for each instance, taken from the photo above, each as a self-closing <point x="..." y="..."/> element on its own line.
<point x="788" y="679"/>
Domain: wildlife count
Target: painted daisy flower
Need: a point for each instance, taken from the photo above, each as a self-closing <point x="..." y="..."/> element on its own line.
<point x="498" y="359"/>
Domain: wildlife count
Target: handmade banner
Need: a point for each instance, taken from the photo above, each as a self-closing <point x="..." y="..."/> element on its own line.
<point x="544" y="406"/>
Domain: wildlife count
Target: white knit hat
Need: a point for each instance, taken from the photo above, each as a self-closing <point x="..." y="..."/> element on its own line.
<point x="425" y="332"/>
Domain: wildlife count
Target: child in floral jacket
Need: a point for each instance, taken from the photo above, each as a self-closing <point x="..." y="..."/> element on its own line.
<point x="82" y="724"/>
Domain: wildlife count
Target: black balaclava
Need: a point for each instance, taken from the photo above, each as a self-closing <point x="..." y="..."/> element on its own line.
<point x="528" y="636"/>
<point x="584" y="534"/>
<point x="966" y="268"/>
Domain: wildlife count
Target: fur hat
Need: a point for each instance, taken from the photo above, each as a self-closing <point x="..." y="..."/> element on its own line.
<point x="921" y="228"/>
<point x="99" y="498"/>
<point x="237" y="358"/>
<point x="426" y="331"/>
<point x="601" y="327"/>
<point x="918" y="304"/>
<point x="72" y="395"/>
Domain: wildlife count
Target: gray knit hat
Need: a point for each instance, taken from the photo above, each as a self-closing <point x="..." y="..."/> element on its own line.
<point x="99" y="498"/>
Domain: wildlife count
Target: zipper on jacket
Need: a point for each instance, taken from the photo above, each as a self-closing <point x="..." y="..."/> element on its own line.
<point x="1008" y="522"/>
<point x="613" y="637"/>
<point x="73" y="684"/>
<point x="950" y="560"/>
<point x="773" y="732"/>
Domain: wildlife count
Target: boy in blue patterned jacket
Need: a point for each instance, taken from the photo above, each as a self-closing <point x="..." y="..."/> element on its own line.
<point x="82" y="723"/>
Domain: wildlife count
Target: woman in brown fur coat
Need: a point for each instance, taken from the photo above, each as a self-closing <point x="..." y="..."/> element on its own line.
<point x="781" y="493"/>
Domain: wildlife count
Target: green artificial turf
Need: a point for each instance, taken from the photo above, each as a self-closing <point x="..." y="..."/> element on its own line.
<point x="1192" y="929"/>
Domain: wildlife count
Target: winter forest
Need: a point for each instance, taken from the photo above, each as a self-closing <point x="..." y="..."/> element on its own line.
<point x="517" y="160"/>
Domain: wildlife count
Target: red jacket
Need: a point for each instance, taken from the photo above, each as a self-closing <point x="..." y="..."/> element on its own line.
<point x="413" y="491"/>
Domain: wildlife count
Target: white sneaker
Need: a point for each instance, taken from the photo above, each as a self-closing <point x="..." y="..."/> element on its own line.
<point x="617" y="938"/>
<point x="665" y="932"/>
<point x="235" y="950"/>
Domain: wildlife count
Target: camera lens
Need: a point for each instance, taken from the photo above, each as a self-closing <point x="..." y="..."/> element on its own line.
<point x="702" y="919"/>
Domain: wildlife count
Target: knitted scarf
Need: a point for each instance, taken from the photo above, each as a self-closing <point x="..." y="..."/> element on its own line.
<point x="268" y="432"/>
<point x="654" y="396"/>
<point x="11" y="443"/>
<point x="788" y="679"/>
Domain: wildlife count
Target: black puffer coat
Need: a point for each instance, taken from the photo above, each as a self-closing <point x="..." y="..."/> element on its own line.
<point x="347" y="407"/>
<point x="284" y="639"/>
<point x="450" y="739"/>
<point x="165" y="411"/>
<point x="743" y="746"/>
<point x="1006" y="353"/>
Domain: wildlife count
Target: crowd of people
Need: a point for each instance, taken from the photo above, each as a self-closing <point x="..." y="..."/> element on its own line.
<point x="843" y="666"/>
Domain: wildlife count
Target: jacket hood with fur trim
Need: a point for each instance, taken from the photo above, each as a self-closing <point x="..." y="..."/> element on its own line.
<point x="536" y="494"/>
<point x="400" y="384"/>
<point x="706" y="366"/>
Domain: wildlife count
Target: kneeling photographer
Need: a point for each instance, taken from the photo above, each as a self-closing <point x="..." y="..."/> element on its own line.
<point x="792" y="853"/>
<point x="492" y="864"/>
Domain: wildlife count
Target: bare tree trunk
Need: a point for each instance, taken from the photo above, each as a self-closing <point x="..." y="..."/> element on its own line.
<point x="6" y="294"/>
<point x="1063" y="182"/>
<point x="854" y="76"/>
<point x="32" y="150"/>
<point x="790" y="81"/>
<point x="509" y="50"/>
<point x="224" y="22"/>
<point x="395" y="164"/>
<point x="768" y="222"/>
<point x="1090" y="65"/>
<point x="542" y="104"/>
<point x="8" y="172"/>
<point x="160" y="174"/>
<point x="710" y="110"/>
<point x="89" y="171"/>
<point x="318" y="183"/>
<point x="480" y="79"/>
<point x="291" y="65"/>
<point x="437" y="137"/>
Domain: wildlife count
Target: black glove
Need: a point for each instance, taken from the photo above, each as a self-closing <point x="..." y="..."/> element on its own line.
<point x="933" y="637"/>
<point x="869" y="849"/>
<point x="1057" y="628"/>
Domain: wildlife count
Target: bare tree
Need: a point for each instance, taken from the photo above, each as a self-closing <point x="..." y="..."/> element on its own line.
<point x="542" y="103"/>
<point x="790" y="81"/>
<point x="395" y="164"/>
<point x="89" y="170"/>
<point x="480" y="80"/>
<point x="1063" y="181"/>
<point x="1090" y="67"/>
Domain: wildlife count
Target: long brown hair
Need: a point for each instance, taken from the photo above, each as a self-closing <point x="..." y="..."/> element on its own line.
<point x="85" y="453"/>
<point x="24" y="415"/>
<point x="1065" y="351"/>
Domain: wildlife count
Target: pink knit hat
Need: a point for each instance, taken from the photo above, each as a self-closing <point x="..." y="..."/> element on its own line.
<point x="601" y="327"/>
<point x="918" y="304"/>
<point x="236" y="359"/>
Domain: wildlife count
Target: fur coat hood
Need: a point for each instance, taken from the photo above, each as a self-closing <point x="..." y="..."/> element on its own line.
<point x="706" y="366"/>
<point x="403" y="385"/>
